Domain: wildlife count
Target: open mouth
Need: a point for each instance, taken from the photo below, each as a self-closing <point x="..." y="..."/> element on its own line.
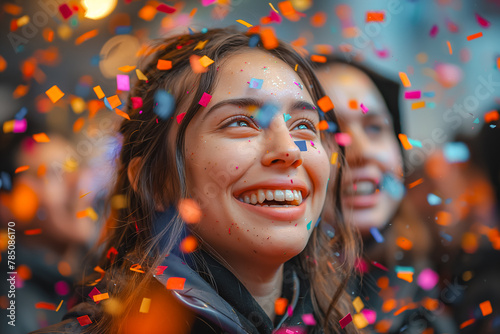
<point x="361" y="188"/>
<point x="272" y="197"/>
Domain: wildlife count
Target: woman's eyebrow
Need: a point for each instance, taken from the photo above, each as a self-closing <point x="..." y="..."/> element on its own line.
<point x="249" y="102"/>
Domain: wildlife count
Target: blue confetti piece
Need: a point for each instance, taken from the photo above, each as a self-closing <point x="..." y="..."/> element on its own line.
<point x="492" y="126"/>
<point x="253" y="41"/>
<point x="446" y="236"/>
<point x="448" y="201"/>
<point x="21" y="113"/>
<point x="287" y="117"/>
<point x="456" y="152"/>
<point x="301" y="144"/>
<point x="190" y="31"/>
<point x="6" y="181"/>
<point x="309" y="225"/>
<point x="429" y="94"/>
<point x="123" y="30"/>
<point x="332" y="127"/>
<point x="430" y="105"/>
<point x="399" y="269"/>
<point x="266" y="114"/>
<point x="106" y="103"/>
<point x="317" y="222"/>
<point x="414" y="142"/>
<point x="433" y="199"/>
<point x="256" y="83"/>
<point x="476" y="121"/>
<point x="392" y="186"/>
<point x="376" y="235"/>
<point x="164" y="104"/>
<point x="204" y="30"/>
<point x="94" y="61"/>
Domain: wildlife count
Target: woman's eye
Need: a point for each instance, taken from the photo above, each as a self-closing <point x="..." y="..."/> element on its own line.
<point x="239" y="123"/>
<point x="373" y="128"/>
<point x="306" y="125"/>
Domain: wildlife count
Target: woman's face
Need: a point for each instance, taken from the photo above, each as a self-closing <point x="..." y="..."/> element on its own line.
<point x="373" y="155"/>
<point x="260" y="194"/>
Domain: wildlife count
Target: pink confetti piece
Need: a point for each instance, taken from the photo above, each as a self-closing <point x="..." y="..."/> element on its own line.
<point x="93" y="293"/>
<point x="20" y="126"/>
<point x="427" y="279"/>
<point x="363" y="108"/>
<point x="165" y="8"/>
<point x="205" y="99"/>
<point x="482" y="21"/>
<point x="205" y="3"/>
<point x="289" y="310"/>
<point x="434" y="31"/>
<point x="378" y="265"/>
<point x="309" y="320"/>
<point x="160" y="270"/>
<point x="413" y="94"/>
<point x="123" y="82"/>
<point x="84" y="320"/>
<point x="136" y="102"/>
<point x="65" y="11"/>
<point x="343" y="139"/>
<point x="370" y="315"/>
<point x="345" y="320"/>
<point x="180" y="117"/>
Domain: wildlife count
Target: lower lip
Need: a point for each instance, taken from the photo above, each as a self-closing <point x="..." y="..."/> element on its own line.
<point x="361" y="201"/>
<point x="274" y="213"/>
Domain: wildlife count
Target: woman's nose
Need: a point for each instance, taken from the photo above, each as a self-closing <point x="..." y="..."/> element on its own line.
<point x="281" y="149"/>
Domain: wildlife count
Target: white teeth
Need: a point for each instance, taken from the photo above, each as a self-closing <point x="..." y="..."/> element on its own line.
<point x="247" y="199"/>
<point x="279" y="195"/>
<point x="288" y="195"/>
<point x="261" y="196"/>
<point x="362" y="188"/>
<point x="295" y="195"/>
<point x="253" y="199"/>
<point x="300" y="196"/>
<point x="269" y="195"/>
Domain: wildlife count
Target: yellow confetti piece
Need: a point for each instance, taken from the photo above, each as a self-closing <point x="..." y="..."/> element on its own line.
<point x="78" y="105"/>
<point x="272" y="7"/>
<point x="359" y="320"/>
<point x="201" y="45"/>
<point x="91" y="214"/>
<point x="82" y="196"/>
<point x="8" y="126"/>
<point x="246" y="24"/>
<point x="21" y="169"/>
<point x="59" y="306"/>
<point x="358" y="304"/>
<point x="54" y="94"/>
<point x="100" y="296"/>
<point x="418" y="105"/>
<point x="404" y="79"/>
<point x="140" y="75"/>
<point x="333" y="159"/>
<point x="296" y="66"/>
<point x="126" y="68"/>
<point x="41" y="137"/>
<point x="205" y="61"/>
<point x="98" y="91"/>
<point x="145" y="304"/>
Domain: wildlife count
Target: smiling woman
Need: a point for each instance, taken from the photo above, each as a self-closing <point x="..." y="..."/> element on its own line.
<point x="251" y="161"/>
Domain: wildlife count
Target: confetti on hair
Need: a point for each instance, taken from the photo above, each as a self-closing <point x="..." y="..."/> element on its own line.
<point x="84" y="320"/>
<point x="140" y="75"/>
<point x="433" y="199"/>
<point x="318" y="59"/>
<point x="137" y="268"/>
<point x="246" y="24"/>
<point x="434" y="31"/>
<point x="41" y="137"/>
<point x="175" y="283"/>
<point x="358" y="304"/>
<point x="136" y="102"/>
<point x="325" y="104"/>
<point x="404" y="79"/>
<point x="268" y="38"/>
<point x="21" y="169"/>
<point x="54" y="94"/>
<point x="180" y="117"/>
<point x="205" y="99"/>
<point x="404" y="243"/>
<point x="101" y="296"/>
<point x="34" y="231"/>
<point x="205" y="61"/>
<point x="359" y="320"/>
<point x="375" y="16"/>
<point x="474" y="36"/>
<point x="200" y="45"/>
<point x="345" y="320"/>
<point x="145" y="304"/>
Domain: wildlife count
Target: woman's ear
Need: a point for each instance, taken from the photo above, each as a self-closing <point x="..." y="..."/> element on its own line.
<point x="133" y="170"/>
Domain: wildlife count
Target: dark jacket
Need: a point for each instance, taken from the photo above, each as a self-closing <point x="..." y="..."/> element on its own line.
<point x="218" y="305"/>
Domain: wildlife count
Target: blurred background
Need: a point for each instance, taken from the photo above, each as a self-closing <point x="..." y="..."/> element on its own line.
<point x="53" y="53"/>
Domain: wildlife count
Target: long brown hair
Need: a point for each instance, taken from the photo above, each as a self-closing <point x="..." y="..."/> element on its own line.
<point x="160" y="178"/>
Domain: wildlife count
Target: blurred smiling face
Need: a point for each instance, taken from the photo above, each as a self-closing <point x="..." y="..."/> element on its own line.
<point x="374" y="153"/>
<point x="257" y="190"/>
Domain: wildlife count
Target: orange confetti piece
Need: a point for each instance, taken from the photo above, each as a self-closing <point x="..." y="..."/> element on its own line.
<point x="319" y="19"/>
<point x="21" y="169"/>
<point x="98" y="91"/>
<point x="246" y="24"/>
<point x="404" y="243"/>
<point x="491" y="116"/>
<point x="126" y="68"/>
<point x="333" y="158"/>
<point x="48" y="34"/>
<point x="410" y="306"/>
<point x="443" y="218"/>
<point x="42" y="169"/>
<point x="86" y="36"/>
<point x="280" y="306"/>
<point x="41" y="137"/>
<point x="268" y="38"/>
<point x="415" y="183"/>
<point x="59" y="306"/>
<point x="122" y="114"/>
<point x="325" y="104"/>
<point x="81" y="214"/>
<point x="418" y="105"/>
<point x="498" y="63"/>
<point x="353" y="104"/>
<point x="449" y="47"/>
<point x="193" y="11"/>
<point x="205" y="61"/>
<point x="100" y="297"/>
<point x="407" y="276"/>
<point x="189" y="244"/>
<point x="137" y="268"/>
<point x="474" y="36"/>
<point x="322" y="125"/>
<point x="45" y="306"/>
<point x="430" y="303"/>
<point x="286" y="8"/>
<point x="189" y="210"/>
<point x="54" y="94"/>
<point x="404" y="141"/>
<point x="404" y="79"/>
<point x="375" y="16"/>
<point x="176" y="283"/>
<point x="467" y="323"/>
<point x="486" y="308"/>
<point x="145" y="304"/>
<point x="164" y="64"/>
<point x="3" y="64"/>
<point x="318" y="59"/>
<point x="20" y="91"/>
<point x="114" y="101"/>
<point x="147" y="13"/>
<point x="34" y="231"/>
<point x="78" y="125"/>
<point x="12" y="9"/>
<point x="194" y="61"/>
